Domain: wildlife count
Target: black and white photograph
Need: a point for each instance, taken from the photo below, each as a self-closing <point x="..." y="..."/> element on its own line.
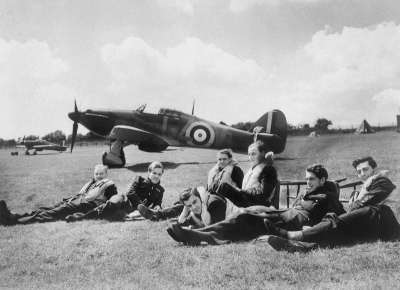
<point x="199" y="144"/>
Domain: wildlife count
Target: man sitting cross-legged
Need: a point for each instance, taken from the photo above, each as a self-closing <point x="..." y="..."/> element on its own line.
<point x="225" y="171"/>
<point x="371" y="216"/>
<point x="94" y="193"/>
<point x="321" y="196"/>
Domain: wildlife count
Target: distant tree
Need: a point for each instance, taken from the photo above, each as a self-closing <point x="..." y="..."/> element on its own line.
<point x="246" y="126"/>
<point x="31" y="137"/>
<point x="322" y="124"/>
<point x="56" y="137"/>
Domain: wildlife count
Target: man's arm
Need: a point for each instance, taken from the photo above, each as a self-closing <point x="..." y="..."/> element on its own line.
<point x="157" y="199"/>
<point x="110" y="191"/>
<point x="378" y="191"/>
<point x="267" y="182"/>
<point x="237" y="176"/>
<point x="217" y="208"/>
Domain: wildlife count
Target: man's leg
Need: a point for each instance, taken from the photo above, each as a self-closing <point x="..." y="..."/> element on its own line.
<point x="234" y="195"/>
<point x="161" y="214"/>
<point x="57" y="213"/>
<point x="241" y="227"/>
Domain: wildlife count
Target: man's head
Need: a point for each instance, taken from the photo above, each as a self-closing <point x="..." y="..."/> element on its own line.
<point x="100" y="172"/>
<point x="155" y="171"/>
<point x="224" y="157"/>
<point x="365" y="167"/>
<point x="190" y="197"/>
<point x="257" y="152"/>
<point x="316" y="176"/>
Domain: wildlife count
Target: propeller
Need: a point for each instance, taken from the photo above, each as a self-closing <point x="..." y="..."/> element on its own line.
<point x="194" y="101"/>
<point x="74" y="126"/>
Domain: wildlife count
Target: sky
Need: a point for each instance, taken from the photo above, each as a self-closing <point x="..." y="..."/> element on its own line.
<point x="337" y="59"/>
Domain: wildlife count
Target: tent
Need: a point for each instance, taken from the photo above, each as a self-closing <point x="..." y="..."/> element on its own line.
<point x="364" y="128"/>
<point x="313" y="134"/>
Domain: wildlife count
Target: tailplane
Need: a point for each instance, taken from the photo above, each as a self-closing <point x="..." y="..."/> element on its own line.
<point x="274" y="122"/>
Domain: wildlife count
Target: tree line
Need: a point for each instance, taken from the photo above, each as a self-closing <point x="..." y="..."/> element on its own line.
<point x="57" y="137"/>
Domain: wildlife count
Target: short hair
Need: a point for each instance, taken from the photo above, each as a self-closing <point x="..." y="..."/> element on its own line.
<point x="319" y="170"/>
<point x="368" y="159"/>
<point x="101" y="167"/>
<point x="260" y="145"/>
<point x="187" y="193"/>
<point x="226" y="151"/>
<point x="155" y="164"/>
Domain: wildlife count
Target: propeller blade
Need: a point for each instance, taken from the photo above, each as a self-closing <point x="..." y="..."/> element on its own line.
<point x="74" y="131"/>
<point x="194" y="101"/>
<point x="75" y="107"/>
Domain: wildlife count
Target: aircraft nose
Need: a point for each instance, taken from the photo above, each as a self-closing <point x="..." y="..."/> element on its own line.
<point x="74" y="116"/>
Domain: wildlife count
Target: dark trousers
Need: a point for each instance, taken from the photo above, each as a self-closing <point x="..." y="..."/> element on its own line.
<point x="238" y="197"/>
<point x="245" y="225"/>
<point x="56" y="212"/>
<point x="363" y="224"/>
<point x="171" y="212"/>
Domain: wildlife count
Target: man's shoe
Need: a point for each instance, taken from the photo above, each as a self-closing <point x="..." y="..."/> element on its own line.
<point x="148" y="213"/>
<point x="171" y="233"/>
<point x="282" y="244"/>
<point x="184" y="235"/>
<point x="74" y="217"/>
<point x="5" y="214"/>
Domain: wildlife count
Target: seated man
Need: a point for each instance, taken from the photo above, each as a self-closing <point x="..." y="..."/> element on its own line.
<point x="320" y="197"/>
<point x="146" y="191"/>
<point x="371" y="216"/>
<point x="94" y="193"/>
<point x="258" y="183"/>
<point x="225" y="171"/>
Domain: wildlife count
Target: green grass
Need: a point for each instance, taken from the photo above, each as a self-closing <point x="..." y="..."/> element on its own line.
<point x="140" y="255"/>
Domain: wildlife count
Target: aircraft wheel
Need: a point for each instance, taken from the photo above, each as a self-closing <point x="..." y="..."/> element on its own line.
<point x="26" y="152"/>
<point x="34" y="152"/>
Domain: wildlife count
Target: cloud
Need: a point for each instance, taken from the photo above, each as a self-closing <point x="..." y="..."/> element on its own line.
<point x="345" y="76"/>
<point x="185" y="6"/>
<point x="32" y="96"/>
<point x="351" y="68"/>
<point x="191" y="69"/>
<point x="238" y="6"/>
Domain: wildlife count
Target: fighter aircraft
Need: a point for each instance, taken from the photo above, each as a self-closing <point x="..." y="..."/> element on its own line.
<point x="39" y="145"/>
<point x="155" y="132"/>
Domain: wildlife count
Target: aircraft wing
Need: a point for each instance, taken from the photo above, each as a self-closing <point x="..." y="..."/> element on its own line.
<point x="134" y="135"/>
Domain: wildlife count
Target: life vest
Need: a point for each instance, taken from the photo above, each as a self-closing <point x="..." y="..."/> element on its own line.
<point x="252" y="177"/>
<point x="215" y="175"/>
<point x="94" y="190"/>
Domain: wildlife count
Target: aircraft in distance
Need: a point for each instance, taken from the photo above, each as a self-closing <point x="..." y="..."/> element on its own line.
<point x="39" y="145"/>
<point x="155" y="132"/>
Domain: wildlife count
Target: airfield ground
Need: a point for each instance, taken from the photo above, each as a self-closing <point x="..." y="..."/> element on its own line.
<point x="140" y="255"/>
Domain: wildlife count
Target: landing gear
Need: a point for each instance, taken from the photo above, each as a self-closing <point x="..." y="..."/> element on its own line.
<point x="116" y="156"/>
<point x="26" y="152"/>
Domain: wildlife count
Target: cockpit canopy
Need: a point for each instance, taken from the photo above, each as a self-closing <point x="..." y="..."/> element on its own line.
<point x="170" y="113"/>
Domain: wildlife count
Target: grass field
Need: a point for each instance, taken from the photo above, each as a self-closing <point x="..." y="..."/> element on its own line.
<point x="140" y="255"/>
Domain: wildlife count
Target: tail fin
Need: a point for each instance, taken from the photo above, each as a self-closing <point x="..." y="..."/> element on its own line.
<point x="274" y="122"/>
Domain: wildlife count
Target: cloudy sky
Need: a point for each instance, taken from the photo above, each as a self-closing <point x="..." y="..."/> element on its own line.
<point x="338" y="59"/>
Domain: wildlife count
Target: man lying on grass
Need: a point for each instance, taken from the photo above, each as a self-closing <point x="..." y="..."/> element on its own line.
<point x="373" y="214"/>
<point x="143" y="190"/>
<point x="93" y="194"/>
<point x="258" y="187"/>
<point x="321" y="196"/>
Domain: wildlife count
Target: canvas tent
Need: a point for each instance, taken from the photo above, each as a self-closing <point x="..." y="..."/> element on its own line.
<point x="364" y="128"/>
<point x="313" y="134"/>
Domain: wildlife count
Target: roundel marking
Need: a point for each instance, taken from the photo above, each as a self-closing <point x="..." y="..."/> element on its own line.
<point x="200" y="134"/>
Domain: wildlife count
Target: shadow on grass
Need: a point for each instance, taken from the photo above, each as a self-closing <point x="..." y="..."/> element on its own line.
<point x="142" y="167"/>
